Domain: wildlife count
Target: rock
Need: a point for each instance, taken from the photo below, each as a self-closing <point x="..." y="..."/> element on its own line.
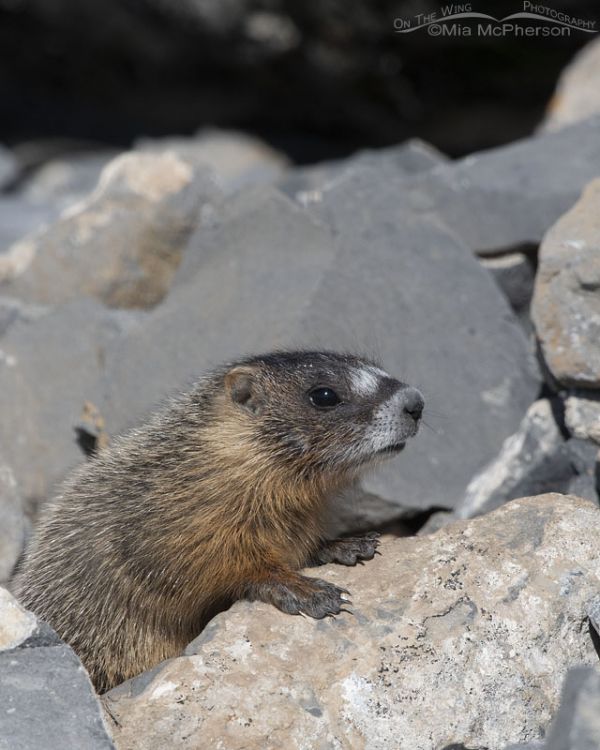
<point x="428" y="337"/>
<point x="49" y="368"/>
<point x="577" y="94"/>
<point x="566" y="301"/>
<point x="66" y="178"/>
<point x="47" y="699"/>
<point x="236" y="159"/>
<point x="9" y="168"/>
<point x="584" y="458"/>
<point x="123" y="243"/>
<point x="477" y="630"/>
<point x="577" y="723"/>
<point x="582" y="415"/>
<point x="514" y="273"/>
<point x="12" y="522"/>
<point x="265" y="274"/>
<point x="407" y="158"/>
<point x="436" y="521"/>
<point x="17" y="625"/>
<point x="18" y="218"/>
<point x="500" y="200"/>
<point x="535" y="459"/>
<point x="12" y="310"/>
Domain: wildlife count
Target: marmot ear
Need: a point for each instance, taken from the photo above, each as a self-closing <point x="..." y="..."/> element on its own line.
<point x="240" y="383"/>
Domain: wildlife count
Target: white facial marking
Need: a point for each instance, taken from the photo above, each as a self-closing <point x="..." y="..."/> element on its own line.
<point x="384" y="428"/>
<point x="365" y="380"/>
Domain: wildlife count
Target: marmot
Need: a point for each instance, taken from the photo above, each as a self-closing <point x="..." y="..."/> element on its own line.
<point x="218" y="497"/>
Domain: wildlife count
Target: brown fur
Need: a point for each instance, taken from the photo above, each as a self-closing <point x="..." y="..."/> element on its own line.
<point x="206" y="503"/>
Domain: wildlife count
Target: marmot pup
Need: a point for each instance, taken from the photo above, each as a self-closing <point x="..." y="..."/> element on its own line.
<point x="221" y="496"/>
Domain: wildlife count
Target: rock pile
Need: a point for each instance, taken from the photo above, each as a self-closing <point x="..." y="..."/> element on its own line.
<point x="461" y="637"/>
<point x="46" y="696"/>
<point x="155" y="265"/>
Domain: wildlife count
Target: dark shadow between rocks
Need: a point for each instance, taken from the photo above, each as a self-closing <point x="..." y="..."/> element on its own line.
<point x="595" y="638"/>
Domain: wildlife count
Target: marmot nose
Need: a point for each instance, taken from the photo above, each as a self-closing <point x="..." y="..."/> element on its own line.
<point x="413" y="403"/>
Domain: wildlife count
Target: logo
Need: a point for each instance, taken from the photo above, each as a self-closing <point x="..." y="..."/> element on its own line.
<point x="532" y="20"/>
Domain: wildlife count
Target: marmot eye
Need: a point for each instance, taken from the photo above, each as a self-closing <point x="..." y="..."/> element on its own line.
<point x="324" y="398"/>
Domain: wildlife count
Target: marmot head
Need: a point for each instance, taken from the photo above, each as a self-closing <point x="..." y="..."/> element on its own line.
<point x="322" y="411"/>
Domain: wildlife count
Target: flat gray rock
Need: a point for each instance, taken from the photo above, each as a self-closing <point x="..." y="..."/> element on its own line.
<point x="504" y="198"/>
<point x="408" y="158"/>
<point x="50" y="366"/>
<point x="47" y="699"/>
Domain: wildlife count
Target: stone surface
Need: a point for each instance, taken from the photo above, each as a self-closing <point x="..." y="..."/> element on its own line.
<point x="501" y="199"/>
<point x="457" y="639"/>
<point x="566" y="301"/>
<point x="236" y="159"/>
<point x="17" y="625"/>
<point x="121" y="244"/>
<point x="47" y="699"/>
<point x="49" y="368"/>
<point x="9" y="168"/>
<point x="407" y="158"/>
<point x="18" y="218"/>
<point x="66" y="178"/>
<point x="582" y="415"/>
<point x="577" y="723"/>
<point x="535" y="459"/>
<point x="265" y="275"/>
<point x="515" y="274"/>
<point x="12" y="521"/>
<point x="577" y="94"/>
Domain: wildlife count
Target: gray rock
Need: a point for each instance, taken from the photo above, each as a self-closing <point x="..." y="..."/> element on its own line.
<point x="577" y="94"/>
<point x="19" y="219"/>
<point x="123" y="243"/>
<point x="455" y="343"/>
<point x="47" y="699"/>
<point x="582" y="414"/>
<point x="501" y="199"/>
<point x="12" y="522"/>
<point x="266" y="275"/>
<point x="12" y="310"/>
<point x="577" y="723"/>
<point x="514" y="273"/>
<point x="408" y="158"/>
<point x="9" y="168"/>
<point x="436" y="521"/>
<point x="584" y="457"/>
<point x="49" y="368"/>
<point x="566" y="302"/>
<point x="65" y="179"/>
<point x="535" y="459"/>
<point x="459" y="639"/>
